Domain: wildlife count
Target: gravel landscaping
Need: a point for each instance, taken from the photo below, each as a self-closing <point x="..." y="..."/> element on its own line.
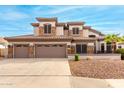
<point x="103" y="69"/>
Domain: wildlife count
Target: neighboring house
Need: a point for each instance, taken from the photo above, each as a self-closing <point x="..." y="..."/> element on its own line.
<point x="3" y="47"/>
<point x="52" y="39"/>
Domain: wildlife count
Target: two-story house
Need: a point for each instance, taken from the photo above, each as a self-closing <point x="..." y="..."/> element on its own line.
<point x="52" y="39"/>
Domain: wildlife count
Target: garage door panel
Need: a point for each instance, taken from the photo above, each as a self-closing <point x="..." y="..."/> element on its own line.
<point x="50" y="51"/>
<point x="21" y="51"/>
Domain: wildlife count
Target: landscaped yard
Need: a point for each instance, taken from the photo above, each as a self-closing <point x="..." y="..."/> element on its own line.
<point x="104" y="69"/>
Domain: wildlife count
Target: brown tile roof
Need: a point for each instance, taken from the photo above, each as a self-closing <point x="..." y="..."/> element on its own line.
<point x="60" y="24"/>
<point x="84" y="38"/>
<point x="35" y="24"/>
<point x="2" y="40"/>
<point x="75" y="23"/>
<point x="87" y="27"/>
<point x="95" y="31"/>
<point x="48" y="38"/>
<point x="46" y="19"/>
<point x="25" y="37"/>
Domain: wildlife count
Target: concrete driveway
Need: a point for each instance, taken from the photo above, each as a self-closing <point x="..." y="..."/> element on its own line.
<point x="34" y="73"/>
<point x="34" y="67"/>
<point x="47" y="73"/>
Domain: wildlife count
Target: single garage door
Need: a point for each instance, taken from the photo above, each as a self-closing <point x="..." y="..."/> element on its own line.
<point x="50" y="51"/>
<point x="21" y="51"/>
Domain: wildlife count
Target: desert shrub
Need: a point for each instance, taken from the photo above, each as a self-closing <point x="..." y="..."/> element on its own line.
<point x="77" y="58"/>
<point x="121" y="51"/>
<point x="89" y="58"/>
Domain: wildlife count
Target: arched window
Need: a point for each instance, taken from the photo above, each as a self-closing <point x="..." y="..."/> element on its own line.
<point x="47" y="28"/>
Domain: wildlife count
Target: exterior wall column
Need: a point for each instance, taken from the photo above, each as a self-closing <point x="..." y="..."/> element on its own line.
<point x="31" y="50"/>
<point x="90" y="48"/>
<point x="10" y="51"/>
<point x="73" y="48"/>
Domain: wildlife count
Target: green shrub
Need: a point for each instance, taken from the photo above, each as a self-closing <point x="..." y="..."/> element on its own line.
<point x="122" y="56"/>
<point x="77" y="57"/>
<point x="121" y="51"/>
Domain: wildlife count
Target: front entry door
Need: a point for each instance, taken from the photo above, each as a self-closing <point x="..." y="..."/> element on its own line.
<point x="84" y="48"/>
<point x="81" y="48"/>
<point x="78" y="49"/>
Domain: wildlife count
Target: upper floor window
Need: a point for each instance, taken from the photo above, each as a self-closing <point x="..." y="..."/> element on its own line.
<point x="76" y="30"/>
<point x="92" y="36"/>
<point x="47" y="28"/>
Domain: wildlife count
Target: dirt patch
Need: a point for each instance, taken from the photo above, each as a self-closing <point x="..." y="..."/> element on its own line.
<point x="103" y="69"/>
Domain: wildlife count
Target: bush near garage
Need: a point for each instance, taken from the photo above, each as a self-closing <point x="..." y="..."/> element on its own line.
<point x="121" y="51"/>
<point x="77" y="58"/>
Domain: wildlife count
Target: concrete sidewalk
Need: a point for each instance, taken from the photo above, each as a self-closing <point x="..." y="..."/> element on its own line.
<point x="58" y="82"/>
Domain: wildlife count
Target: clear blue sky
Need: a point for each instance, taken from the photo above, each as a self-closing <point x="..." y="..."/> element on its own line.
<point x="15" y="20"/>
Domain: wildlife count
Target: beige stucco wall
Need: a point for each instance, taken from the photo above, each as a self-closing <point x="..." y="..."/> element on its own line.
<point x="52" y="23"/>
<point x="97" y="46"/>
<point x="120" y="44"/>
<point x="36" y="31"/>
<point x="87" y="32"/>
<point x="79" y="26"/>
<point x="59" y="30"/>
<point x="4" y="51"/>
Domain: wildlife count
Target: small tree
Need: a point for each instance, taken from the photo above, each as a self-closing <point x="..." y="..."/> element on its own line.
<point x="112" y="38"/>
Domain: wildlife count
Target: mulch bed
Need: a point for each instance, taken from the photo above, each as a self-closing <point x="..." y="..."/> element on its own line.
<point x="103" y="69"/>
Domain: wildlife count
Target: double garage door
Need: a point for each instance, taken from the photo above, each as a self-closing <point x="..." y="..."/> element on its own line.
<point x="41" y="51"/>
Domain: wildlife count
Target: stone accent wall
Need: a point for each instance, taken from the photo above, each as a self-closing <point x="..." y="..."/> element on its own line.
<point x="31" y="51"/>
<point x="73" y="49"/>
<point x="68" y="49"/>
<point x="90" y="49"/>
<point x="10" y="52"/>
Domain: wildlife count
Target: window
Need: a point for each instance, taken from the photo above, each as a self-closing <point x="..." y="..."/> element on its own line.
<point x="92" y="36"/>
<point x="47" y="28"/>
<point x="119" y="46"/>
<point x="76" y="30"/>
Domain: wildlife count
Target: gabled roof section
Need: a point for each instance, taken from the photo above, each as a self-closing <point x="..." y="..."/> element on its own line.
<point x="21" y="36"/>
<point x="46" y="19"/>
<point x="60" y="24"/>
<point x="2" y="40"/>
<point x="76" y="23"/>
<point x="96" y="31"/>
<point x="87" y="27"/>
<point x="35" y="24"/>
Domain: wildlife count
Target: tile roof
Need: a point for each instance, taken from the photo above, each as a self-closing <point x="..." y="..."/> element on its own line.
<point x="35" y="24"/>
<point x="32" y="37"/>
<point x="75" y="23"/>
<point x="87" y="27"/>
<point x="46" y="19"/>
<point x="95" y="31"/>
<point x="37" y="37"/>
<point x="2" y="40"/>
<point x="60" y="24"/>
